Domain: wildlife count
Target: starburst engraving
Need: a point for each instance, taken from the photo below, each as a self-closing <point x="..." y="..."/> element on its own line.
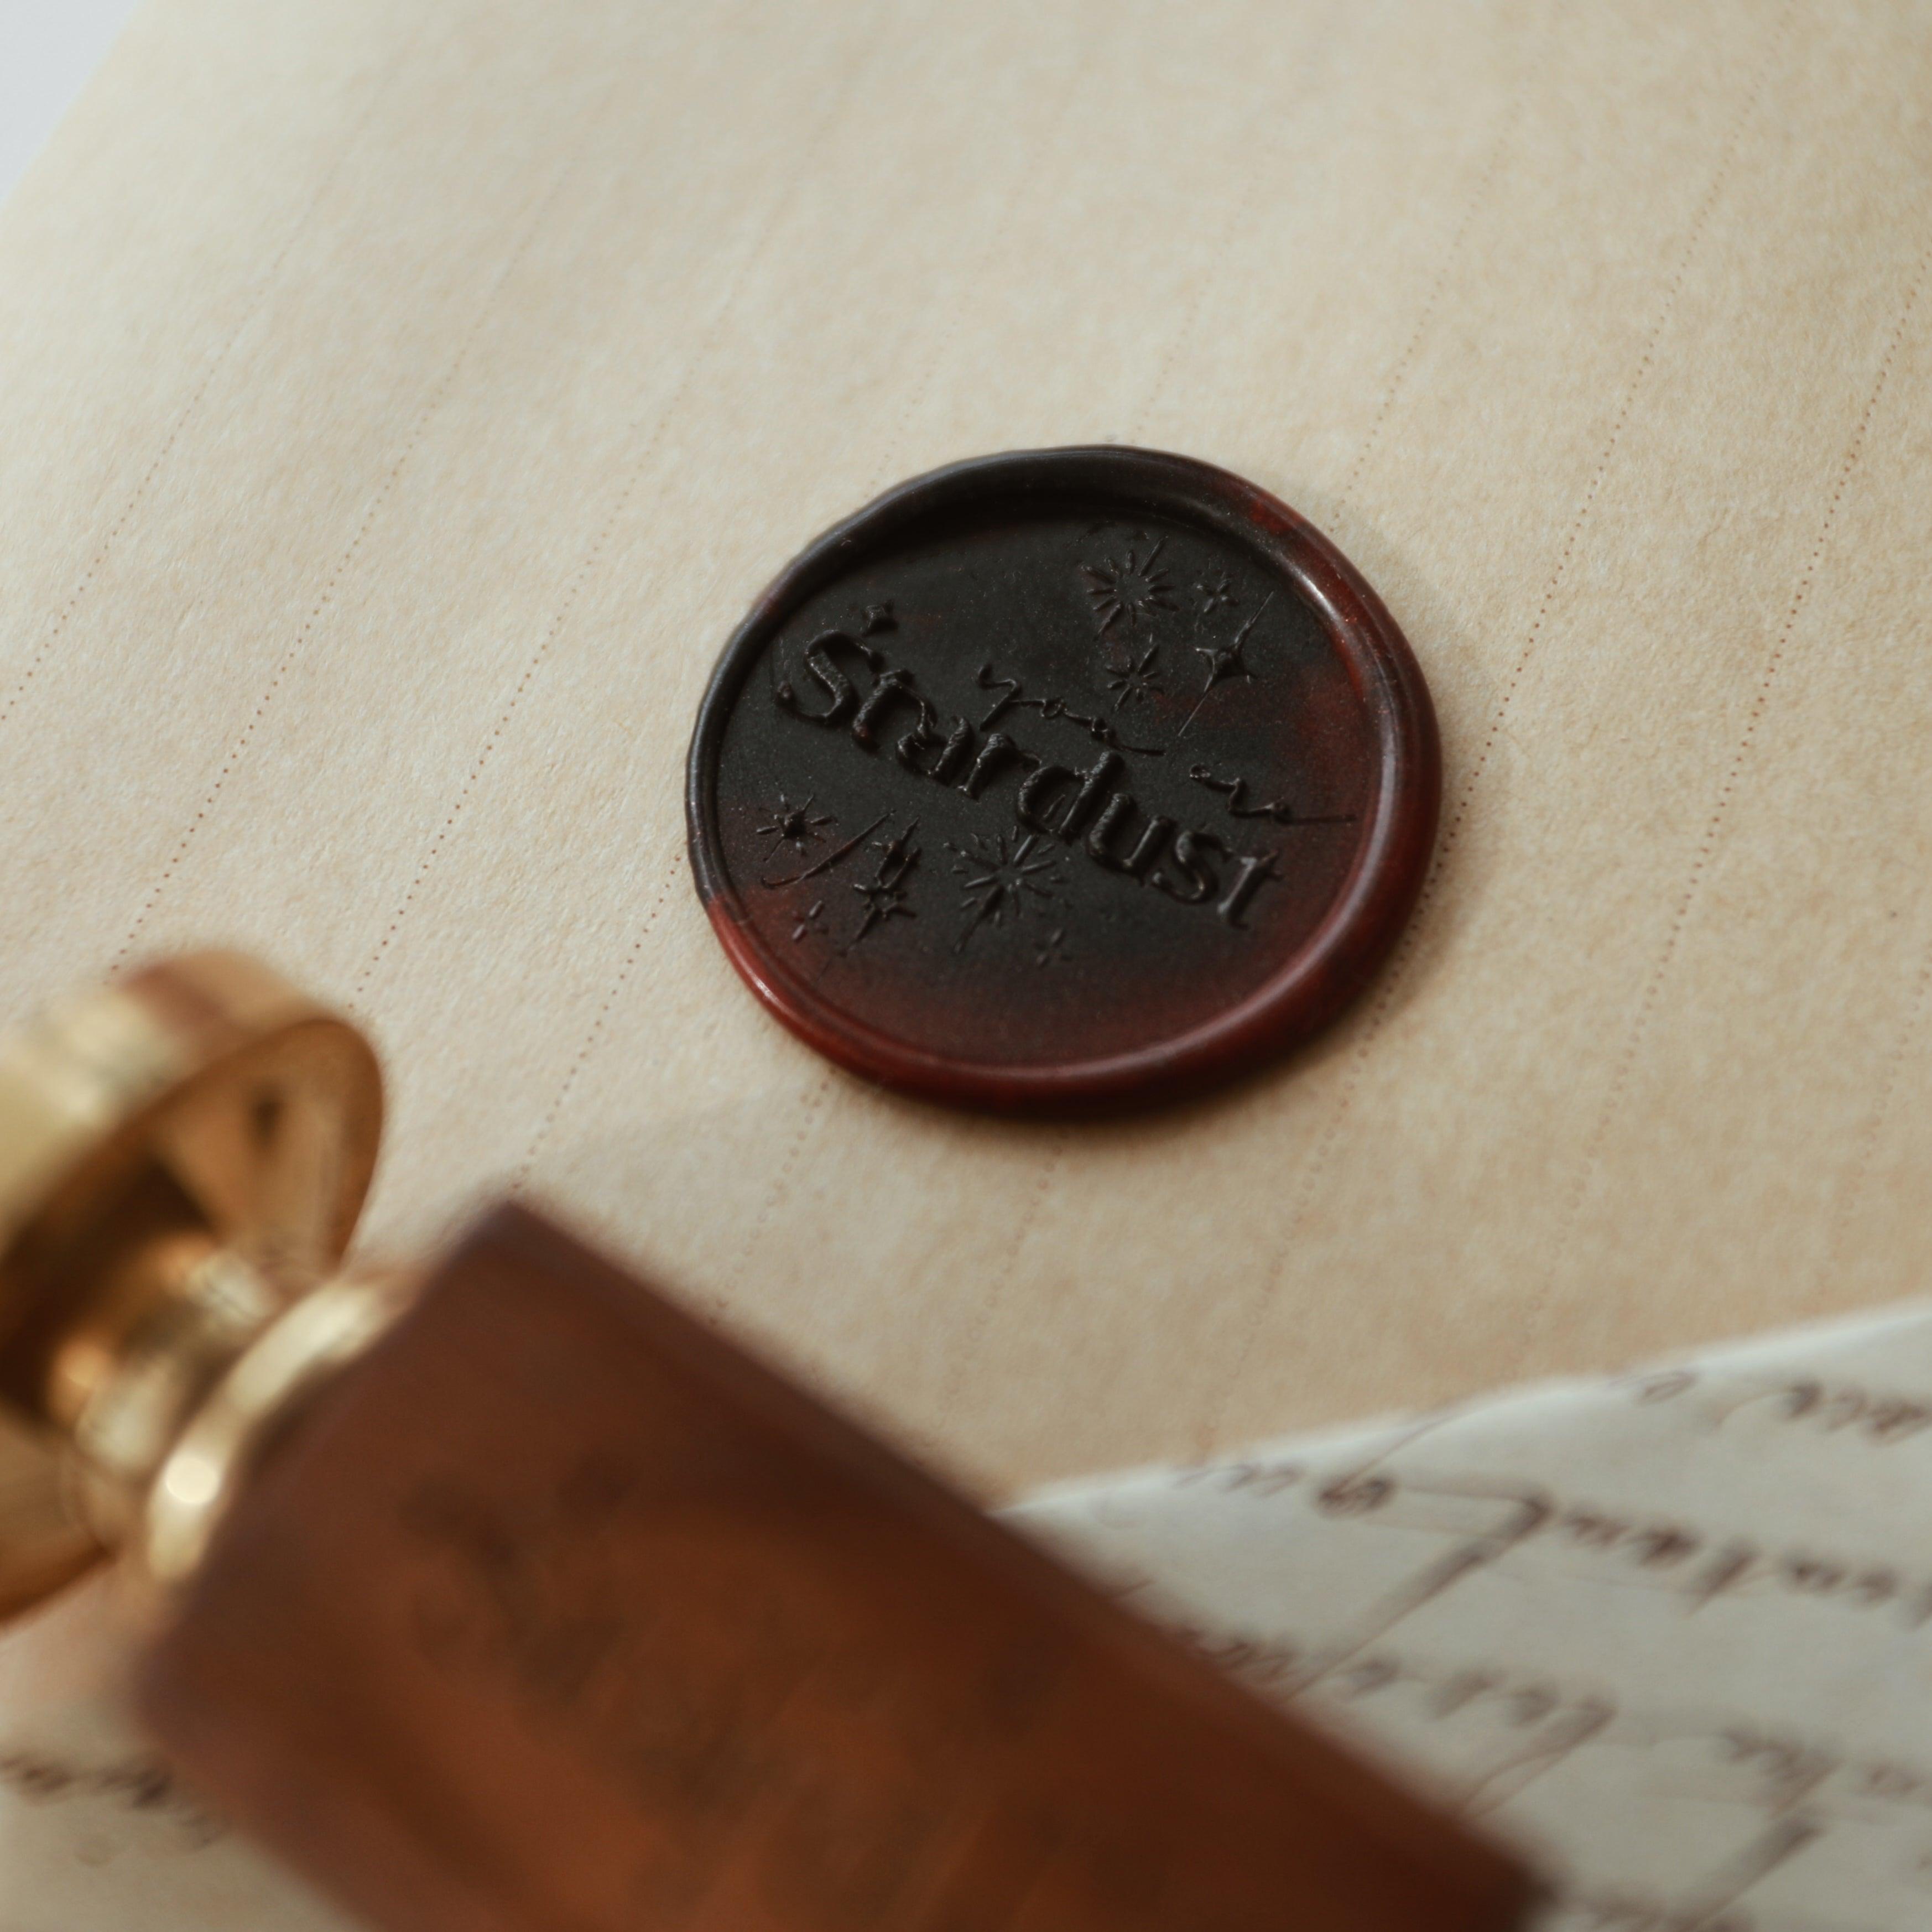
<point x="884" y="897"/>
<point x="811" y="923"/>
<point x="796" y="827"/>
<point x="1131" y="590"/>
<point x="1002" y="880"/>
<point x="1133" y="680"/>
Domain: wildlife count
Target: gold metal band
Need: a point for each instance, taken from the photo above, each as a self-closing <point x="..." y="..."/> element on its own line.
<point x="182" y="1155"/>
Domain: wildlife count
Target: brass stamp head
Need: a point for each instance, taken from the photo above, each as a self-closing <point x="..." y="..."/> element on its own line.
<point x="183" y="1154"/>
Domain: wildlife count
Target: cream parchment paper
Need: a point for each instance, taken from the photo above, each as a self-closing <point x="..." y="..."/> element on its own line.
<point x="402" y="399"/>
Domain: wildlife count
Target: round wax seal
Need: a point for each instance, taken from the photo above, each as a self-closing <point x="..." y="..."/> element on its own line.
<point x="1066" y="779"/>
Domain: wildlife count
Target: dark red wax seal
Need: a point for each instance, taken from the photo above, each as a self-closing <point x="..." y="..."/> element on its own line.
<point x="1065" y="780"/>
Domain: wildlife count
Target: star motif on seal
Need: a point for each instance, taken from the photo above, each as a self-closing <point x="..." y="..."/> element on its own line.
<point x="1133" y="679"/>
<point x="884" y="896"/>
<point x="1052" y="949"/>
<point x="1002" y="879"/>
<point x="797" y="826"/>
<point x="1226" y="661"/>
<point x="1219" y="596"/>
<point x="1132" y="589"/>
<point x="882" y="899"/>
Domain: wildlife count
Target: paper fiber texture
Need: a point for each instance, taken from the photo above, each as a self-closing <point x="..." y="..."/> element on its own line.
<point x="1671" y="1632"/>
<point x="403" y="398"/>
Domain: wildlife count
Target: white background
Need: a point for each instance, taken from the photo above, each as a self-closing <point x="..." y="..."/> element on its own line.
<point x="48" y="48"/>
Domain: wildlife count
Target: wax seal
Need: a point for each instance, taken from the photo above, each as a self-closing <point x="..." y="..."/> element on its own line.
<point x="1064" y="780"/>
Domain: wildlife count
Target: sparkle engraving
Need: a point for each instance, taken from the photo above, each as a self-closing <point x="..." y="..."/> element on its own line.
<point x="1051" y="949"/>
<point x="1218" y="595"/>
<point x="1226" y="661"/>
<point x="797" y="826"/>
<point x="1133" y="680"/>
<point x="884" y="896"/>
<point x="1131" y="591"/>
<point x="1004" y="878"/>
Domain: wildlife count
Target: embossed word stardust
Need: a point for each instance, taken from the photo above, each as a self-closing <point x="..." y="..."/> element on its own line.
<point x="1186" y="863"/>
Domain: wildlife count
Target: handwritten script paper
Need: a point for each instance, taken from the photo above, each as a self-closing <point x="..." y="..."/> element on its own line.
<point x="1673" y="1632"/>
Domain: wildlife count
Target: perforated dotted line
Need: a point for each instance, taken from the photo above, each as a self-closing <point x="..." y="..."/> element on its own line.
<point x="1052" y="127"/>
<point x="1321" y="45"/>
<point x="587" y="567"/>
<point x="781" y="1182"/>
<point x="1479" y="196"/>
<point x="1396" y="973"/>
<point x="972" y="1339"/>
<point x="1331" y="1132"/>
<point x="434" y="401"/>
<point x="541" y="1137"/>
<point x="816" y="1095"/>
<point x="504" y="719"/>
<point x="1640" y="1027"/>
<point x="264" y="287"/>
<point x="822" y="1086"/>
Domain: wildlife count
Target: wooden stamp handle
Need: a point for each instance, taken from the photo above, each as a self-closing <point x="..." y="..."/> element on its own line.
<point x="560" y="1611"/>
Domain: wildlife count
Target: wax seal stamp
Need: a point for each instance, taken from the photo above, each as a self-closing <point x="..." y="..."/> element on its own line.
<point x="1067" y="779"/>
